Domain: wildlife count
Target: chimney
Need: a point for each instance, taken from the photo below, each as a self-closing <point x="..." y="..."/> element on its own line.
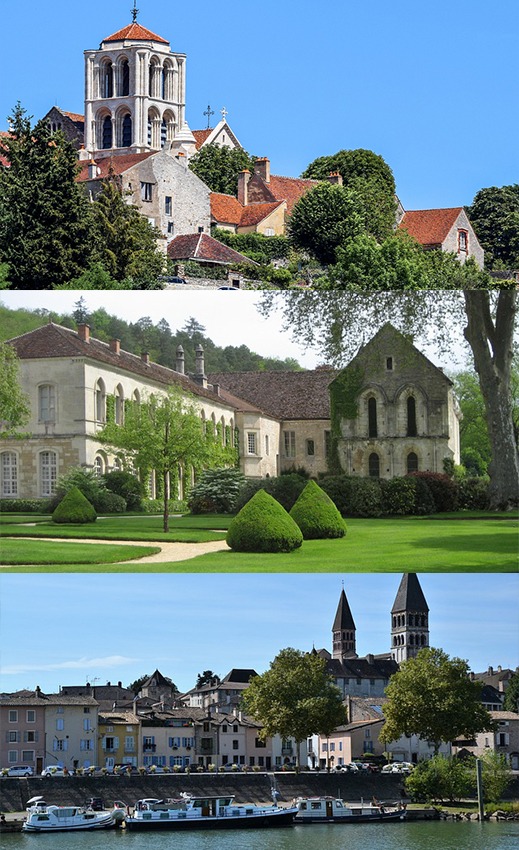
<point x="180" y="363"/>
<point x="200" y="376"/>
<point x="92" y="170"/>
<point x="115" y="346"/>
<point x="243" y="183"/>
<point x="119" y="684"/>
<point x="216" y="389"/>
<point x="335" y="178"/>
<point x="370" y="658"/>
<point x="145" y="357"/>
<point x="262" y="168"/>
<point x="490" y="671"/>
<point x="83" y="332"/>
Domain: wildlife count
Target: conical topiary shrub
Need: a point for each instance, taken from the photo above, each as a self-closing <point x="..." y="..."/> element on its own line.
<point x="263" y="525"/>
<point x="316" y="514"/>
<point x="74" y="507"/>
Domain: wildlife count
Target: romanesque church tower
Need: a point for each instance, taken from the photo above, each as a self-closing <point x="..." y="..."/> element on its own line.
<point x="135" y="94"/>
<point x="343" y="630"/>
<point x="409" y="620"/>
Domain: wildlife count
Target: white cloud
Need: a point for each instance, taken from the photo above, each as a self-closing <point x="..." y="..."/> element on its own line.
<point x="77" y="664"/>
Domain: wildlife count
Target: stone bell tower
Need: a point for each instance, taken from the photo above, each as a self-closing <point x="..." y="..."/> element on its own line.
<point x="343" y="630"/>
<point x="409" y="620"/>
<point x="135" y="93"/>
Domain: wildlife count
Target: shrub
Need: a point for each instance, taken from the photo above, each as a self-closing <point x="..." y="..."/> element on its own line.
<point x="216" y="491"/>
<point x="354" y="496"/>
<point x="443" y="488"/>
<point x="74" y="507"/>
<point x="316" y="514"/>
<point x="423" y="498"/>
<point x="263" y="525"/>
<point x="285" y="489"/>
<point x="338" y="488"/>
<point x="156" y="506"/>
<point x="398" y="496"/>
<point x="107" y="502"/>
<point x="473" y="494"/>
<point x="126" y="485"/>
<point x="24" y="506"/>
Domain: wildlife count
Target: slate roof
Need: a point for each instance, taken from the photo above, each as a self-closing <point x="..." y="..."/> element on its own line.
<point x="118" y="164"/>
<point x="135" y="32"/>
<point x="343" y="617"/>
<point x="409" y="596"/>
<point x="430" y="227"/>
<point x="106" y="693"/>
<point x="157" y="680"/>
<point x="205" y="249"/>
<point x="361" y="668"/>
<point x="238" y="675"/>
<point x="283" y="395"/>
<point x="53" y="340"/>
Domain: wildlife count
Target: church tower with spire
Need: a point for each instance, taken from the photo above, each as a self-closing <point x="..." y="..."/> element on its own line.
<point x="409" y="620"/>
<point x="343" y="630"/>
<point x="135" y="93"/>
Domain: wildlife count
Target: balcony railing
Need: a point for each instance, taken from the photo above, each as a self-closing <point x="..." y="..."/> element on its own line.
<point x="149" y="748"/>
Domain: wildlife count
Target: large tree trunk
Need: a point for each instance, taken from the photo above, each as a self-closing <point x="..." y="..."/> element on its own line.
<point x="491" y="342"/>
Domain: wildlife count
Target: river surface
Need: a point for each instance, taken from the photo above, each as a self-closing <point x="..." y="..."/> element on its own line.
<point x="424" y="835"/>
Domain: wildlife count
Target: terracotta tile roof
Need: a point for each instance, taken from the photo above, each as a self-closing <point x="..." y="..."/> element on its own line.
<point x="225" y="209"/>
<point x="201" y="247"/>
<point x="290" y="189"/>
<point x="134" y="32"/>
<point x="74" y="116"/>
<point x="283" y="395"/>
<point x="254" y="213"/>
<point x="201" y="136"/>
<point x="430" y="227"/>
<point x="56" y="341"/>
<point x="119" y="164"/>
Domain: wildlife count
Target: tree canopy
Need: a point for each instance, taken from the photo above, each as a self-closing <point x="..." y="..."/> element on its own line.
<point x="433" y="696"/>
<point x="324" y="218"/>
<point x="208" y="677"/>
<point x="336" y="323"/>
<point x="219" y="166"/>
<point x="494" y="215"/>
<point x="14" y="402"/>
<point x="295" y="697"/>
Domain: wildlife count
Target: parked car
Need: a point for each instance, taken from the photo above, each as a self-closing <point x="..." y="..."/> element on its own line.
<point x="155" y="768"/>
<point x="53" y="770"/>
<point x="18" y="770"/>
<point x="125" y="770"/>
<point x="175" y="279"/>
<point x="96" y="804"/>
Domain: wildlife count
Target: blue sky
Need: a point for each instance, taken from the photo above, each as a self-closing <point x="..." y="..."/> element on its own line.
<point x="431" y="86"/>
<point x="69" y="629"/>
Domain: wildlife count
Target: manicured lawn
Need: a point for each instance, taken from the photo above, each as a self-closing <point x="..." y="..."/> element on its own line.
<point x="46" y="553"/>
<point x="478" y="543"/>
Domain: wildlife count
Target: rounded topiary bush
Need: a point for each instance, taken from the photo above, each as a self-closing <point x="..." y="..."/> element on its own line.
<point x="316" y="514"/>
<point x="74" y="507"/>
<point x="263" y="525"/>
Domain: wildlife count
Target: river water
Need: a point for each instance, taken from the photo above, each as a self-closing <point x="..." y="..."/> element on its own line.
<point x="424" y="835"/>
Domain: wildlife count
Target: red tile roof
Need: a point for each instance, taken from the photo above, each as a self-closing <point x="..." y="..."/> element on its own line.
<point x="201" y="247"/>
<point x="290" y="189"/>
<point x="119" y="164"/>
<point x="430" y="227"/>
<point x="134" y="32"/>
<point x="254" y="213"/>
<point x="200" y="137"/>
<point x="225" y="209"/>
<point x="74" y="116"/>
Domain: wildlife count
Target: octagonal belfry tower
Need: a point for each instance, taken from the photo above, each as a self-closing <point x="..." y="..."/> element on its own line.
<point x="409" y="620"/>
<point x="135" y="93"/>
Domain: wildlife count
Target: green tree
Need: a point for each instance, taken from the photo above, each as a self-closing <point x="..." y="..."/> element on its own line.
<point x="14" y="402"/>
<point x="125" y="242"/>
<point x="163" y="433"/>
<point x="219" y="167"/>
<point x="432" y="696"/>
<point x="295" y="698"/>
<point x="494" y="215"/>
<point x="511" y="700"/>
<point x="207" y="678"/>
<point x="45" y="223"/>
<point x="370" y="177"/>
<point x="497" y="775"/>
<point x="474" y="442"/>
<point x="324" y="218"/>
<point x="440" y="780"/>
<point x="335" y="322"/>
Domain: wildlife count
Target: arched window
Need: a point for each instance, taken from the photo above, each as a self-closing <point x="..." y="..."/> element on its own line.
<point x="99" y="466"/>
<point x="107" y="132"/>
<point x="48" y="472"/>
<point x="119" y="405"/>
<point x="411" y="640"/>
<point x="372" y="417"/>
<point x="411" y="416"/>
<point x="108" y="80"/>
<point x="136" y="398"/>
<point x="100" y="401"/>
<point x="423" y="640"/>
<point x="374" y="465"/>
<point x="125" y="78"/>
<point x="117" y="464"/>
<point x="9" y="473"/>
<point x="412" y="462"/>
<point x="47" y="403"/>
<point x="163" y="133"/>
<point x="127" y="131"/>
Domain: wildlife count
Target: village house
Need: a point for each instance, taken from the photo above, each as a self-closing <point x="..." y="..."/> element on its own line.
<point x="22" y="720"/>
<point x="445" y="230"/>
<point x="503" y="741"/>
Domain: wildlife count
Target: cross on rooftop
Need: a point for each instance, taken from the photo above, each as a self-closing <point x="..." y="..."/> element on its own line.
<point x="224" y="113"/>
<point x="134" y="11"/>
<point x="209" y="112"/>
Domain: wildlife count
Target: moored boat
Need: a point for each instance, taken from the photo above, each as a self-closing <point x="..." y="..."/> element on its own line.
<point x="220" y="812"/>
<point x="44" y="818"/>
<point x="334" y="810"/>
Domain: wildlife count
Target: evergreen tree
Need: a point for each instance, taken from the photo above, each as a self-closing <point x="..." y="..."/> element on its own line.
<point x="219" y="167"/>
<point x="45" y="224"/>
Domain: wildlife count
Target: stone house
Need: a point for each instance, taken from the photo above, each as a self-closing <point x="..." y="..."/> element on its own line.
<point x="71" y="725"/>
<point x="504" y="740"/>
<point x="22" y="721"/>
<point x="445" y="230"/>
<point x="119" y="738"/>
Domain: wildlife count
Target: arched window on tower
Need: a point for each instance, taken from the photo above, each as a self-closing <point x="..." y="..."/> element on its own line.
<point x="163" y="133"/>
<point x="108" y="80"/>
<point x="411" y="416"/>
<point x="372" y="417"/>
<point x="374" y="465"/>
<point x="125" y="78"/>
<point x="127" y="131"/>
<point x="412" y="462"/>
<point x="107" y="133"/>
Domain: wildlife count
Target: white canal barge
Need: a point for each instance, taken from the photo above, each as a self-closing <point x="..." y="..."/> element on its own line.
<point x="191" y="812"/>
<point x="44" y="818"/>
<point x="334" y="810"/>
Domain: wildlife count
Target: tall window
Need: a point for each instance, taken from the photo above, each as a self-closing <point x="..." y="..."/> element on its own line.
<point x="48" y="472"/>
<point x="310" y="447"/>
<point x="9" y="473"/>
<point x="125" y="78"/>
<point x="47" y="403"/>
<point x="127" y="131"/>
<point x="372" y="417"/>
<point x="119" y="405"/>
<point x="412" y="462"/>
<point x="98" y="466"/>
<point x="146" y="191"/>
<point x="107" y="133"/>
<point x="411" y="416"/>
<point x="100" y="401"/>
<point x="251" y="443"/>
<point x="463" y="241"/>
<point x="290" y="443"/>
<point x="374" y="465"/>
<point x="108" y="80"/>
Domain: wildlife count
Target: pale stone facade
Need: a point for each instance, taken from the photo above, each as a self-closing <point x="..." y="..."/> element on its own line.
<point x="71" y="731"/>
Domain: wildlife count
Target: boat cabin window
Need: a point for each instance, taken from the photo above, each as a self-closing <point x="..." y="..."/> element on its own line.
<point x="316" y="804"/>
